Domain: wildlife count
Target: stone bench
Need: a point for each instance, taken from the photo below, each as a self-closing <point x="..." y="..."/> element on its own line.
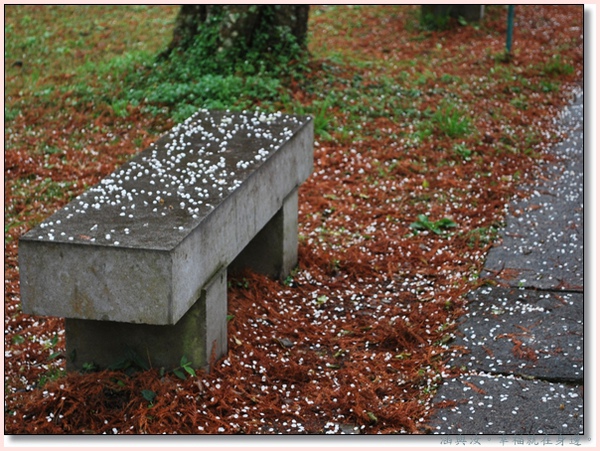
<point x="139" y="262"/>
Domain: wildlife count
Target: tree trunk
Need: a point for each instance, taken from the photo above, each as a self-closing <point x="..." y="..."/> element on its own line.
<point x="244" y="27"/>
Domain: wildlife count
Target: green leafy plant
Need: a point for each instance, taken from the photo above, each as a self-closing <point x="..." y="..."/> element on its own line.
<point x="437" y="227"/>
<point x="548" y="86"/>
<point x="452" y="121"/>
<point x="88" y="367"/>
<point x="520" y="102"/>
<point x="462" y="150"/>
<point x="51" y="375"/>
<point x="53" y="342"/>
<point x="481" y="236"/>
<point x="149" y="396"/>
<point x="185" y="366"/>
<point x="240" y="283"/>
<point x="447" y="79"/>
<point x="131" y="363"/>
<point x="319" y="110"/>
<point x="322" y="118"/>
<point x="372" y="417"/>
<point x="17" y="339"/>
<point x="120" y="108"/>
<point x="429" y="21"/>
<point x="556" y="66"/>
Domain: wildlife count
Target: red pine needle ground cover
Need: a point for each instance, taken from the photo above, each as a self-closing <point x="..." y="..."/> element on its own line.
<point x="357" y="337"/>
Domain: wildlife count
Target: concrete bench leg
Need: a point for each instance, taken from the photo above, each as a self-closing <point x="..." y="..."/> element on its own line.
<point x="201" y="332"/>
<point x="274" y="250"/>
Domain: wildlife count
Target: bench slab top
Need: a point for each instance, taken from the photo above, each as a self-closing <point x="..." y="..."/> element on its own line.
<point x="167" y="190"/>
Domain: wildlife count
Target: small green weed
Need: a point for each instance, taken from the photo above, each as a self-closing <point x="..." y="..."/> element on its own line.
<point x="51" y="375"/>
<point x="120" y="108"/>
<point x="452" y="121"/>
<point x="88" y="367"/>
<point x="430" y="21"/>
<point x="481" y="236"/>
<point x="149" y="396"/>
<point x="372" y="417"/>
<point x="556" y="66"/>
<point x="424" y="78"/>
<point x="184" y="366"/>
<point x="131" y="363"/>
<point x="243" y="283"/>
<point x="463" y="151"/>
<point x="11" y="113"/>
<point x="437" y="227"/>
<point x="448" y="79"/>
<point x="289" y="280"/>
<point x="51" y="344"/>
<point x="520" y="102"/>
<point x="462" y="21"/>
<point x="548" y="86"/>
<point x="17" y="339"/>
<point x="502" y="57"/>
<point x="50" y="150"/>
<point x="319" y="110"/>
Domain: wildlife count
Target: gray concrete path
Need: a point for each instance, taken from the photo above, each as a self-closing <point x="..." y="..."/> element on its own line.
<point x="523" y="334"/>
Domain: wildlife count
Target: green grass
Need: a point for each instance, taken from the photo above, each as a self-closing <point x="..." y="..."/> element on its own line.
<point x="547" y="86"/>
<point x="520" y="102"/>
<point x="481" y="236"/>
<point x="51" y="375"/>
<point x="91" y="55"/>
<point x="438" y="227"/>
<point x="359" y="101"/>
<point x="319" y="110"/>
<point x="76" y="52"/>
<point x="452" y="121"/>
<point x="50" y="43"/>
<point x="556" y="66"/>
<point x="463" y="151"/>
<point x="449" y="119"/>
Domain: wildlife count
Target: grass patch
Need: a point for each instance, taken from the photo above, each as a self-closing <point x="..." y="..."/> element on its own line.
<point x="481" y="236"/>
<point x="449" y="119"/>
<point x="46" y="44"/>
<point x="438" y="227"/>
<point x="556" y="66"/>
<point x="452" y="121"/>
<point x="463" y="151"/>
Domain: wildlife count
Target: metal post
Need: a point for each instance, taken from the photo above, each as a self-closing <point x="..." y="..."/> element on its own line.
<point x="509" y="31"/>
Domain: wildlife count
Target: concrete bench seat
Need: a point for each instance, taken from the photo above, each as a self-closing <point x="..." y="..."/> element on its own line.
<point x="140" y="260"/>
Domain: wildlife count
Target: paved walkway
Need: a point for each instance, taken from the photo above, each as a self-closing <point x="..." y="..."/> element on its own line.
<point x="524" y="370"/>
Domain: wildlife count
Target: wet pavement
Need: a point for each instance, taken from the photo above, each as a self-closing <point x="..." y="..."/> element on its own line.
<point x="523" y="368"/>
